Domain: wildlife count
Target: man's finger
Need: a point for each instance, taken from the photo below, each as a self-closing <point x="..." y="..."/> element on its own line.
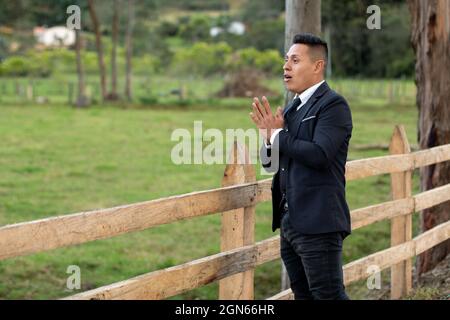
<point x="253" y="117"/>
<point x="266" y="106"/>
<point x="260" y="108"/>
<point x="257" y="112"/>
<point x="255" y="120"/>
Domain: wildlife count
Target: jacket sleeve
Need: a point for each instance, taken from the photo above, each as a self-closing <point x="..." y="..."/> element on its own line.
<point x="269" y="159"/>
<point x="333" y="127"/>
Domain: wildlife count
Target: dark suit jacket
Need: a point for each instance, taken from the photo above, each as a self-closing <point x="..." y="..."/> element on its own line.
<point x="316" y="146"/>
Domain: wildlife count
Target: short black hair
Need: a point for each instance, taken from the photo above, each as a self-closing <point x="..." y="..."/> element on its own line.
<point x="313" y="42"/>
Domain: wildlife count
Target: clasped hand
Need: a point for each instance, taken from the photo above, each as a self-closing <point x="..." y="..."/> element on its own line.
<point x="265" y="121"/>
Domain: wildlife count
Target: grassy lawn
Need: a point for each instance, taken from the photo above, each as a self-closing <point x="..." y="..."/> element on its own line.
<point x="55" y="160"/>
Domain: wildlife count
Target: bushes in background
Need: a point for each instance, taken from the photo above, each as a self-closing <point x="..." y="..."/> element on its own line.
<point x="203" y="59"/>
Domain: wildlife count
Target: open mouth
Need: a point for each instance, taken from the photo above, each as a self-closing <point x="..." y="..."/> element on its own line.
<point x="287" y="77"/>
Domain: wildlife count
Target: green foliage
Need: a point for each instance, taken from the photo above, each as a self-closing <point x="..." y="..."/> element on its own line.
<point x="11" y="11"/>
<point x="358" y="51"/>
<point x="260" y="33"/>
<point x="267" y="34"/>
<point x="196" y="28"/>
<point x="155" y="41"/>
<point x="16" y="66"/>
<point x="28" y="13"/>
<point x="395" y="60"/>
<point x="257" y="10"/>
<point x="202" y="58"/>
<point x="268" y="61"/>
<point x="45" y="63"/>
<point x="167" y="29"/>
<point x="146" y="65"/>
<point x="148" y="100"/>
<point x="196" y="5"/>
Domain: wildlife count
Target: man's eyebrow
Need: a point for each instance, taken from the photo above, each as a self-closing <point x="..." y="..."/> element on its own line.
<point x="293" y="56"/>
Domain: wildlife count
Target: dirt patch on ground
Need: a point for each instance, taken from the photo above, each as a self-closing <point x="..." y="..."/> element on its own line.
<point x="245" y="83"/>
<point x="432" y="285"/>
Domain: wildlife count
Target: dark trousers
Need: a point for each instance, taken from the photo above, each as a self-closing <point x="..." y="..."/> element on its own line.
<point x="313" y="263"/>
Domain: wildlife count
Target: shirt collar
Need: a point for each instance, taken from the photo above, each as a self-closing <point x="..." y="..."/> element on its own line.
<point x="305" y="95"/>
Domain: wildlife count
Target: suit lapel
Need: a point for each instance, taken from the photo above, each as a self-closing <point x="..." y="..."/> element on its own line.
<point x="321" y="90"/>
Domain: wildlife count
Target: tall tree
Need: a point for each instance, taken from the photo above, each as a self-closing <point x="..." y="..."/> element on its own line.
<point x="114" y="35"/>
<point x="430" y="37"/>
<point x="301" y="16"/>
<point x="99" y="45"/>
<point x="129" y="50"/>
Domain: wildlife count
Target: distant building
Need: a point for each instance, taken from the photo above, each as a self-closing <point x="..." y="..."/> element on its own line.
<point x="54" y="36"/>
<point x="235" y="27"/>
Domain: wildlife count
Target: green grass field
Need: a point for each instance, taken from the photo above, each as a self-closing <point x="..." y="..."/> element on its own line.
<point x="56" y="160"/>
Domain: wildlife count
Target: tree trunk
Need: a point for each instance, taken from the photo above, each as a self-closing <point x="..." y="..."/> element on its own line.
<point x="98" y="43"/>
<point x="301" y="16"/>
<point x="82" y="100"/>
<point x="129" y="49"/>
<point x="430" y="38"/>
<point x="114" y="35"/>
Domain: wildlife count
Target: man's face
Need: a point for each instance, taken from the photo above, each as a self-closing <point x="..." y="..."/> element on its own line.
<point x="300" y="72"/>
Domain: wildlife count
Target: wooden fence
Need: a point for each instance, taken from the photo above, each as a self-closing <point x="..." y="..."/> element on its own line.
<point x="234" y="266"/>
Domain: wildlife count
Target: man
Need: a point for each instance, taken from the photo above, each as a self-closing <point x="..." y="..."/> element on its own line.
<point x="307" y="143"/>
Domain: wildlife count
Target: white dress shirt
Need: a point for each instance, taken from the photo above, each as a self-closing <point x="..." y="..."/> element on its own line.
<point x="304" y="97"/>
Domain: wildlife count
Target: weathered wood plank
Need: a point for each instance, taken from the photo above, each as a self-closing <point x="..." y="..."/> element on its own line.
<point x="283" y="295"/>
<point x="357" y="270"/>
<point x="432" y="237"/>
<point x="51" y="233"/>
<point x="401" y="226"/>
<point x="386" y="210"/>
<point x="358" y="169"/>
<point x="238" y="226"/>
<point x="432" y="197"/>
<point x="431" y="156"/>
<point x="178" y="279"/>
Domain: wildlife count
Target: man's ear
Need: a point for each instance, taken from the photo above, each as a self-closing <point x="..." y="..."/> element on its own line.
<point x="319" y="66"/>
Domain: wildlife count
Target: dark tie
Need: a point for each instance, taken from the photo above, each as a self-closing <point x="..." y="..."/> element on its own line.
<point x="294" y="105"/>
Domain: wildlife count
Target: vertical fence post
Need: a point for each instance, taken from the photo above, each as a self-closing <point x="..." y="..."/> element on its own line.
<point x="238" y="226"/>
<point x="401" y="227"/>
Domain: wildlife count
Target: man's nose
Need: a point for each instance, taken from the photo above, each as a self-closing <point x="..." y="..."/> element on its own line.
<point x="286" y="66"/>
